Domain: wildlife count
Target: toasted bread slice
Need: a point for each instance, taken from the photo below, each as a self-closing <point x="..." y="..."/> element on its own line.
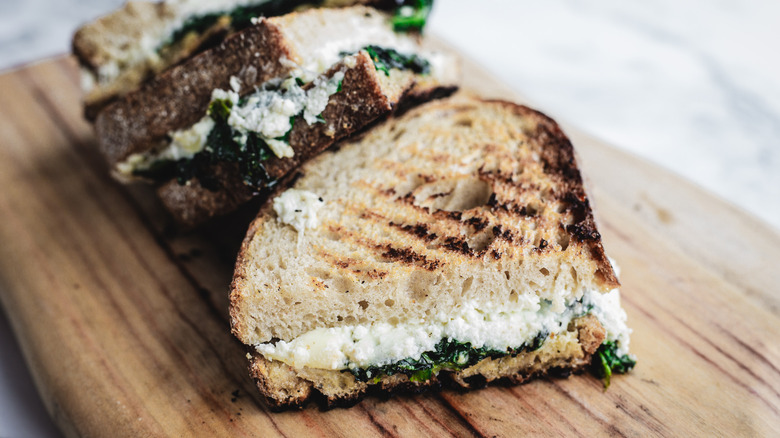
<point x="138" y="128"/>
<point x="121" y="50"/>
<point x="459" y="230"/>
<point x="366" y="96"/>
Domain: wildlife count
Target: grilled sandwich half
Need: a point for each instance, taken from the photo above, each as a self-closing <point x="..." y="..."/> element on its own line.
<point x="454" y="244"/>
<point x="121" y="50"/>
<point x="217" y="129"/>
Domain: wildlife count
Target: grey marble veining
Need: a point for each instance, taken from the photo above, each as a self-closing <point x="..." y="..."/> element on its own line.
<point x="693" y="86"/>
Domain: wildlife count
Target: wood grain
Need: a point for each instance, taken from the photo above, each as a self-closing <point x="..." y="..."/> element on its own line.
<point x="122" y="319"/>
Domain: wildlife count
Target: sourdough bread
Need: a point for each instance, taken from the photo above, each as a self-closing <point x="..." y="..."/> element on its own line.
<point x="311" y="41"/>
<point x="121" y="50"/>
<point x="458" y="208"/>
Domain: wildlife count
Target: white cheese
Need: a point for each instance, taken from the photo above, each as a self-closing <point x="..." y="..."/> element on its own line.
<point x="280" y="148"/>
<point x="495" y="325"/>
<point x="606" y="307"/>
<point x="317" y="97"/>
<point x="88" y="80"/>
<point x="185" y="143"/>
<point x="229" y="95"/>
<point x="202" y="7"/>
<point x="188" y="142"/>
<point x="134" y="161"/>
<point x="269" y="113"/>
<point x="298" y="208"/>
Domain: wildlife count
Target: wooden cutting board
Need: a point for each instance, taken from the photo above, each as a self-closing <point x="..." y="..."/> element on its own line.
<point x="122" y="319"/>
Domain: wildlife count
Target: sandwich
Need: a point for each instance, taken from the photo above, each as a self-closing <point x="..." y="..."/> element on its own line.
<point x="454" y="245"/>
<point x="122" y="50"/>
<point x="217" y="129"/>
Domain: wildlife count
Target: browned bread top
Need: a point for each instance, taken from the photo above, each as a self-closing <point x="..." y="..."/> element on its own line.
<point x="458" y="200"/>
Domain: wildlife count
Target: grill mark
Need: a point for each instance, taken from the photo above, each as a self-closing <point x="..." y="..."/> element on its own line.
<point x="440" y="195"/>
<point x="577" y="205"/>
<point x="583" y="232"/>
<point x="477" y="223"/>
<point x="509" y="207"/>
<point x="500" y="233"/>
<point x="459" y="245"/>
<point x="420" y="230"/>
<point x="455" y="244"/>
<point x="409" y="200"/>
<point x="408" y="256"/>
<point x="351" y="265"/>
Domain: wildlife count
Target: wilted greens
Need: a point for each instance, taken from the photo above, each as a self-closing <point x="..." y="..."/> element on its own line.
<point x="606" y="361"/>
<point x="449" y="354"/>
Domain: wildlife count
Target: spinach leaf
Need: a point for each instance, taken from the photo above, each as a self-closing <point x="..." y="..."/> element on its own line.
<point x="219" y="109"/>
<point x="385" y="59"/>
<point x="240" y="18"/>
<point x="221" y="147"/>
<point x="449" y="354"/>
<point x="412" y="15"/>
<point x="606" y="361"/>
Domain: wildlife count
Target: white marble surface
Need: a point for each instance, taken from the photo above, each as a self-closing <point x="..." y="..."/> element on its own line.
<point x="693" y="86"/>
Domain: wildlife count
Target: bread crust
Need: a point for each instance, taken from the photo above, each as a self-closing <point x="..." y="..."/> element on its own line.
<point x="179" y="97"/>
<point x="111" y="41"/>
<point x="284" y="387"/>
<point x="424" y="230"/>
<point x="561" y="160"/>
<point x="362" y="101"/>
<point x="391" y="223"/>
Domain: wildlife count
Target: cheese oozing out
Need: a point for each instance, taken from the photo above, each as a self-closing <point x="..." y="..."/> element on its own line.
<point x="498" y="326"/>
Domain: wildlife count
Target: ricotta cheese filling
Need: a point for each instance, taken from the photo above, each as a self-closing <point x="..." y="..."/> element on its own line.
<point x="498" y="326"/>
<point x="298" y="208"/>
<point x="269" y="111"/>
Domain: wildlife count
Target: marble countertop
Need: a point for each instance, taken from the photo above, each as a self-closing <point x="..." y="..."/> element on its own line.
<point x="693" y="86"/>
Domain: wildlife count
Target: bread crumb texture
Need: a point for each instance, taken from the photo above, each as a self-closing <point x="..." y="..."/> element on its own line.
<point x="457" y="200"/>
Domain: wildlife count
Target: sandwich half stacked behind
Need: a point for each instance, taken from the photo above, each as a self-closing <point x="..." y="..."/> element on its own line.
<point x="120" y="51"/>
<point x="216" y="129"/>
<point x="455" y="244"/>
